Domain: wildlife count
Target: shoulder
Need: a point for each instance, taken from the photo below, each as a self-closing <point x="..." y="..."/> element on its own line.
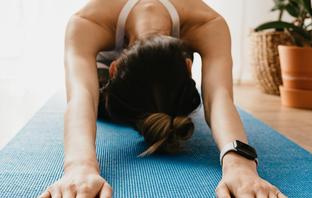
<point x="194" y="11"/>
<point x="97" y="18"/>
<point x="102" y="12"/>
<point x="195" y="24"/>
<point x="201" y="28"/>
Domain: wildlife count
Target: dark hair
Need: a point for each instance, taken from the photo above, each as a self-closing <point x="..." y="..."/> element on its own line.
<point x="153" y="92"/>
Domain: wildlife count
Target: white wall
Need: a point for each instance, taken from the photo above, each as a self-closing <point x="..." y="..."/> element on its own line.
<point x="31" y="57"/>
<point x="31" y="36"/>
<point x="32" y="40"/>
<point x="242" y="16"/>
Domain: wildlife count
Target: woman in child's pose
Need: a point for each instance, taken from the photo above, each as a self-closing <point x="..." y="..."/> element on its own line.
<point x="130" y="62"/>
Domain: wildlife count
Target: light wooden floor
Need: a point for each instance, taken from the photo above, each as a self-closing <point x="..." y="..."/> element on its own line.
<point x="295" y="124"/>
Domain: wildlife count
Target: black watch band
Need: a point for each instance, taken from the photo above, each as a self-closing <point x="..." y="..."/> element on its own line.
<point x="241" y="148"/>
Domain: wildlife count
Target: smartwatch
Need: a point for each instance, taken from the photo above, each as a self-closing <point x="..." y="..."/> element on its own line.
<point x="240" y="148"/>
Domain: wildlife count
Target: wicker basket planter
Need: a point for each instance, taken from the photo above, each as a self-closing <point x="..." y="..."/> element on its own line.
<point x="265" y="59"/>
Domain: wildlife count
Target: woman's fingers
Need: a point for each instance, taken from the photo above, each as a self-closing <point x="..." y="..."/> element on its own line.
<point x="56" y="193"/>
<point x="222" y="191"/>
<point x="276" y="193"/>
<point x="262" y="195"/>
<point x="45" y="194"/>
<point x="281" y="195"/>
<point x="68" y="194"/>
<point x="262" y="191"/>
<point x="106" y="191"/>
<point x="247" y="196"/>
<point x="82" y="195"/>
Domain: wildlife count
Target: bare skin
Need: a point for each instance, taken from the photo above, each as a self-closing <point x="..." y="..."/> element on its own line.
<point x="91" y="30"/>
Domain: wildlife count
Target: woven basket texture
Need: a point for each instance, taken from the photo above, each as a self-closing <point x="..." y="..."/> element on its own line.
<point x="264" y="59"/>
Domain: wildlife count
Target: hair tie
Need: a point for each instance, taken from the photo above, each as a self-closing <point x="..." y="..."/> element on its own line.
<point x="171" y="122"/>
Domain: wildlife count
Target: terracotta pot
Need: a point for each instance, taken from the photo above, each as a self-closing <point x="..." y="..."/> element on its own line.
<point x="296" y="65"/>
<point x="297" y="98"/>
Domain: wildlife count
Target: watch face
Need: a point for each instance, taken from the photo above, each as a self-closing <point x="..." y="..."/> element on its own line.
<point x="246" y="150"/>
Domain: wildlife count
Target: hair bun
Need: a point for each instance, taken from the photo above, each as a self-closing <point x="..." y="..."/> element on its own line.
<point x="164" y="132"/>
<point x="183" y="127"/>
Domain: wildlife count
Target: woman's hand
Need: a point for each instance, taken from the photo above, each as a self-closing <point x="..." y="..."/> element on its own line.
<point x="80" y="182"/>
<point x="241" y="180"/>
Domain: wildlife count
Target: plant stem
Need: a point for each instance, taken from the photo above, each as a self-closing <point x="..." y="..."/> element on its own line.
<point x="280" y="16"/>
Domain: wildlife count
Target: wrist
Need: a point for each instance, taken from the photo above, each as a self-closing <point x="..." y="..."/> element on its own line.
<point x="234" y="160"/>
<point x="89" y="165"/>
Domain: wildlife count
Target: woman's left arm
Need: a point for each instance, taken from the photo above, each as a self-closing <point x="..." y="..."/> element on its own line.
<point x="239" y="175"/>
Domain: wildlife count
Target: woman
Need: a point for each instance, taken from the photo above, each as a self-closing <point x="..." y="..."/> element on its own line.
<point x="130" y="61"/>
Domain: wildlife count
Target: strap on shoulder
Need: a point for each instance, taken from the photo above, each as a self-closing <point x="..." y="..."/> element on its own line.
<point x="120" y="30"/>
<point x="174" y="17"/>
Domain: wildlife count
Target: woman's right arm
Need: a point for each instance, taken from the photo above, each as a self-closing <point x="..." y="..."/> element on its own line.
<point x="84" y="39"/>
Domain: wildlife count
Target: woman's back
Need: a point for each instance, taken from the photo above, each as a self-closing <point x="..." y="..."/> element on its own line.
<point x="192" y="14"/>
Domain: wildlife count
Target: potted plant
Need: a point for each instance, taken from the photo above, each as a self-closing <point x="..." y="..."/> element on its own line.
<point x="296" y="59"/>
<point x="264" y="53"/>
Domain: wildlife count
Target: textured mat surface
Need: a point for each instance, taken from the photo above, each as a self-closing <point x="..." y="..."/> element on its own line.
<point x="34" y="158"/>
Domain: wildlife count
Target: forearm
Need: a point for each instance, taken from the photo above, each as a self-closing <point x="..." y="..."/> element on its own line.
<point x="239" y="174"/>
<point x="226" y="126"/>
<point x="224" y="120"/>
<point x="80" y="132"/>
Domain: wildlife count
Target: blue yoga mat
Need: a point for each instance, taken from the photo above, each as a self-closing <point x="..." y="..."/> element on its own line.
<point x="34" y="159"/>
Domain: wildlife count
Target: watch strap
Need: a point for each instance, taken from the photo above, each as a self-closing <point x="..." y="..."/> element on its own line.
<point x="230" y="147"/>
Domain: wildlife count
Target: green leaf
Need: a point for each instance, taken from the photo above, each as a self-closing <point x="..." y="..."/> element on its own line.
<point x="275" y="8"/>
<point x="278" y="2"/>
<point x="284" y="25"/>
<point x="293" y="9"/>
<point x="307" y="6"/>
<point x="279" y="5"/>
<point x="297" y="40"/>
